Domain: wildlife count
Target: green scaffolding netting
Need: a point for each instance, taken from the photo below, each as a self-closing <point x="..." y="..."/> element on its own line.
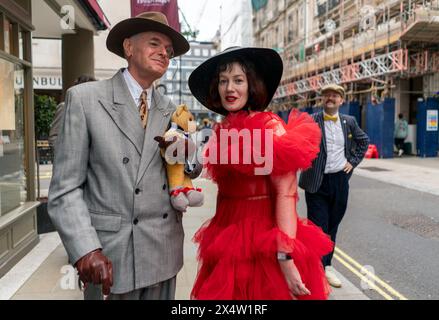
<point x="258" y="4"/>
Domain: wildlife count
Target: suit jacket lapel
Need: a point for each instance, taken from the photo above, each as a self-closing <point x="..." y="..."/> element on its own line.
<point x="158" y="119"/>
<point x="124" y="113"/>
<point x="345" y="132"/>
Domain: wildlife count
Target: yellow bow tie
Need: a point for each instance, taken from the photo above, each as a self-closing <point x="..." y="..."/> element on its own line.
<point x="327" y="117"/>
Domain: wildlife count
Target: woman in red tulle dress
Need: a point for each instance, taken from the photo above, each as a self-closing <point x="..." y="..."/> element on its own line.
<point x="256" y="247"/>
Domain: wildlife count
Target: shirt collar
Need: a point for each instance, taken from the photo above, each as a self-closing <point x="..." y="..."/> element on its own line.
<point x="135" y="88"/>
<point x="335" y="115"/>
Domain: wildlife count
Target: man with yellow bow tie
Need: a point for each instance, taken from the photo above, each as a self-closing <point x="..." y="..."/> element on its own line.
<point x="326" y="183"/>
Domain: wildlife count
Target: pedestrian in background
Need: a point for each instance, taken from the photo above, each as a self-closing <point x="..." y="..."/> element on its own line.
<point x="206" y="124"/>
<point x="256" y="247"/>
<point x="401" y="133"/>
<point x="326" y="183"/>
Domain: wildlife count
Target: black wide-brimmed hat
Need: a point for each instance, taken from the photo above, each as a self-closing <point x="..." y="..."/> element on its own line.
<point x="267" y="62"/>
<point x="147" y="21"/>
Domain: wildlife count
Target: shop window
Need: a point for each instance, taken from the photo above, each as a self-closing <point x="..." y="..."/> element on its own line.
<point x="12" y="173"/>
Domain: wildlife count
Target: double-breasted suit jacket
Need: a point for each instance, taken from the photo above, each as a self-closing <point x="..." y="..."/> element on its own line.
<point x="109" y="188"/>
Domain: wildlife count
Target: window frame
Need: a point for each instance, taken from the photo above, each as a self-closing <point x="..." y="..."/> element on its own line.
<point x="21" y="25"/>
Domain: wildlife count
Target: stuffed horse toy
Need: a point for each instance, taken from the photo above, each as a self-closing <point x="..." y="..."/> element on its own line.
<point x="176" y="148"/>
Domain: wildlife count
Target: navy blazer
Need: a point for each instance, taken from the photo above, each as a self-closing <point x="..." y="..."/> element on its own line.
<point x="356" y="144"/>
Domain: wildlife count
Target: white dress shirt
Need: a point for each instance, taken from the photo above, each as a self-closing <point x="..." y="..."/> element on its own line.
<point x="335" y="146"/>
<point x="136" y="90"/>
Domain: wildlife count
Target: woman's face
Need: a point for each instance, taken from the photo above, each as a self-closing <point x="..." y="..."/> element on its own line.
<point x="233" y="88"/>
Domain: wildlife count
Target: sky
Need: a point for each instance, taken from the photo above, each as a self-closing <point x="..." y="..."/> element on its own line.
<point x="202" y="15"/>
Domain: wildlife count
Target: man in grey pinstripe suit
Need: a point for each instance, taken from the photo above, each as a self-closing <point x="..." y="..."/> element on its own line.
<point x="109" y="198"/>
<point x="326" y="183"/>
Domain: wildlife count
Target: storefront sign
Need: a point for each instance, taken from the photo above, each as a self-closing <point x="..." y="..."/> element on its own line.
<point x="42" y="82"/>
<point x="48" y="83"/>
<point x="432" y="118"/>
<point x="168" y="7"/>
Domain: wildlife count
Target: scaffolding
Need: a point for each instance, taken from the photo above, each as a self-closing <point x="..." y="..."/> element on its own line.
<point x="393" y="38"/>
<point x="389" y="63"/>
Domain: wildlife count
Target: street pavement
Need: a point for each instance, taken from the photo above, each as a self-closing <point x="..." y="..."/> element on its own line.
<point x="44" y="273"/>
<point x="394" y="232"/>
<point x="421" y="174"/>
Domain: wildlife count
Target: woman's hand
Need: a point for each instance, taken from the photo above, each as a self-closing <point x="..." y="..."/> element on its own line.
<point x="292" y="276"/>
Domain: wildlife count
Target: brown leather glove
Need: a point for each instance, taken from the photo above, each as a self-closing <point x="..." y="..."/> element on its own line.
<point x="96" y="268"/>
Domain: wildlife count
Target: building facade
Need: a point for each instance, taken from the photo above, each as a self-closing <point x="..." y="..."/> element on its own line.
<point x="175" y="82"/>
<point x="17" y="167"/>
<point x="236" y="28"/>
<point x="374" y="48"/>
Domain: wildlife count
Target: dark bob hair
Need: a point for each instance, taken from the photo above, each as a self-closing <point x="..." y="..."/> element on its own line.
<point x="257" y="91"/>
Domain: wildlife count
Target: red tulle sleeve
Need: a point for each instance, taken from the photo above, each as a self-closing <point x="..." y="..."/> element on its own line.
<point x="295" y="144"/>
<point x="292" y="146"/>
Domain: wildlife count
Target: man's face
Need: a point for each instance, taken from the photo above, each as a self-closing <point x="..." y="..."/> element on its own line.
<point x="149" y="53"/>
<point x="332" y="100"/>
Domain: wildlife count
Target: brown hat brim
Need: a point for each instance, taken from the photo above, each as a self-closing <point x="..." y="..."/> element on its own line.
<point x="130" y="27"/>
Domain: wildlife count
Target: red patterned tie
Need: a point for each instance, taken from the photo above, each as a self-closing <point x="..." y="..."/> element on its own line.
<point x="143" y="108"/>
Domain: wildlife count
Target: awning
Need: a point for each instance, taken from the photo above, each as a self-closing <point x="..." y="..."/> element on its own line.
<point x="96" y="14"/>
<point x="46" y="17"/>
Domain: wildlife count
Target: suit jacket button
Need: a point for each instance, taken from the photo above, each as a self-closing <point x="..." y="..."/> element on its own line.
<point x="165" y="216"/>
<point x="126" y="160"/>
<point x="164" y="187"/>
<point x="135" y="221"/>
<point x="138" y="191"/>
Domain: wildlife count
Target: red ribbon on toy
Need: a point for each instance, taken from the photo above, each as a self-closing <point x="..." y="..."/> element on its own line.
<point x="184" y="190"/>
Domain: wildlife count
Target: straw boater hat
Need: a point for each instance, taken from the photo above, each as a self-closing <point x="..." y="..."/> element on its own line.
<point x="267" y="62"/>
<point x="147" y="21"/>
<point x="333" y="87"/>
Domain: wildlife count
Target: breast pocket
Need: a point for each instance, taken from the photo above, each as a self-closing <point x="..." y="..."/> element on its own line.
<point x="349" y="141"/>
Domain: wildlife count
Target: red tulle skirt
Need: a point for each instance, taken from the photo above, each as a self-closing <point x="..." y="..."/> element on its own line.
<point x="237" y="251"/>
<point x="238" y="246"/>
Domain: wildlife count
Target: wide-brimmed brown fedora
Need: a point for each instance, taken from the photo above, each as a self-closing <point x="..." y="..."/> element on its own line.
<point x="267" y="62"/>
<point x="147" y="21"/>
